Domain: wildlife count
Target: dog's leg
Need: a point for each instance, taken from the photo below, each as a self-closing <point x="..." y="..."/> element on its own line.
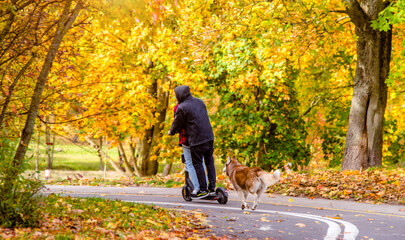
<point x="255" y="200"/>
<point x="257" y="195"/>
<point x="245" y="194"/>
<point x="243" y="199"/>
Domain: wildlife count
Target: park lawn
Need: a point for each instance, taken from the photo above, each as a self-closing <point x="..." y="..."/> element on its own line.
<point x="78" y="157"/>
<point x="69" y="156"/>
<point x="96" y="218"/>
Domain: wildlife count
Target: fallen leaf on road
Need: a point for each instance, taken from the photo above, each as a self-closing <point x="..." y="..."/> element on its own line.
<point x="301" y="225"/>
<point x="263" y="219"/>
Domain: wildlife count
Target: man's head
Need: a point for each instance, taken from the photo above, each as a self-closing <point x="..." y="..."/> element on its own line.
<point x="182" y="92"/>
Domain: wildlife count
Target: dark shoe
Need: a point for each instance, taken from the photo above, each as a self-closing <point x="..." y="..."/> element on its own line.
<point x="211" y="192"/>
<point x="201" y="194"/>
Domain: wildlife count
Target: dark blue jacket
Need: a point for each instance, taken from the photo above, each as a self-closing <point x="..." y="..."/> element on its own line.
<point x="192" y="116"/>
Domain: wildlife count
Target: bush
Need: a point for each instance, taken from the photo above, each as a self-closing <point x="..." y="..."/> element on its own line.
<point x="19" y="202"/>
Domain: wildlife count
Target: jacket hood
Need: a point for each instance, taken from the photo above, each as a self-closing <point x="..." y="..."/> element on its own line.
<point x="182" y="92"/>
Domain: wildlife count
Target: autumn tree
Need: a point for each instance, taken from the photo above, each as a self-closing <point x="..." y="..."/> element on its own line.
<point x="18" y="38"/>
<point x="265" y="62"/>
<point x="394" y="127"/>
<point x="364" y="138"/>
<point x="315" y="23"/>
<point x="34" y="26"/>
<point x="64" y="23"/>
<point x="129" y="61"/>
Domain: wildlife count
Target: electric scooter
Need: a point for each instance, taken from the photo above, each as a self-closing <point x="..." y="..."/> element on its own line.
<point x="220" y="194"/>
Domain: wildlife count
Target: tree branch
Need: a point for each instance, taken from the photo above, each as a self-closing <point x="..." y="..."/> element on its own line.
<point x="357" y="15"/>
<point x="11" y="88"/>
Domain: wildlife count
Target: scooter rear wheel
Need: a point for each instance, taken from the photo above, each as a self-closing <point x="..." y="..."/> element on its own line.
<point x="222" y="195"/>
<point x="186" y="193"/>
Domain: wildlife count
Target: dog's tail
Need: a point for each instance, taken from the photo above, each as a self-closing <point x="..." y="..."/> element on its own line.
<point x="271" y="179"/>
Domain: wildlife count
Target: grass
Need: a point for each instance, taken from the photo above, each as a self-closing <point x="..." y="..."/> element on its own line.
<point x="81" y="157"/>
<point x="96" y="218"/>
<point x="68" y="157"/>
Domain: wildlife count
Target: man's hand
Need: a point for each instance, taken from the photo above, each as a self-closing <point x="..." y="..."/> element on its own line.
<point x="168" y="132"/>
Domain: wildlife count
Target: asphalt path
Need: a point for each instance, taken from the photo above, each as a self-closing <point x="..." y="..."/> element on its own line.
<point x="277" y="217"/>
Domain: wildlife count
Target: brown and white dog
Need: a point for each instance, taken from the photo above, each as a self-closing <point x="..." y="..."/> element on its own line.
<point x="253" y="180"/>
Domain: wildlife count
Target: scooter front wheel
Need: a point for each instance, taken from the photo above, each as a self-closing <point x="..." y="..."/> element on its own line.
<point x="222" y="195"/>
<point x="186" y="193"/>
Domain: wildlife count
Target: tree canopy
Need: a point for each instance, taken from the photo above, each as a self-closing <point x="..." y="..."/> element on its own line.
<point x="277" y="76"/>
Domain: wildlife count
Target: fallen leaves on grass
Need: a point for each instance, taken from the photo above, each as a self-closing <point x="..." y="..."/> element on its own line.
<point x="173" y="180"/>
<point x="373" y="186"/>
<point x="96" y="218"/>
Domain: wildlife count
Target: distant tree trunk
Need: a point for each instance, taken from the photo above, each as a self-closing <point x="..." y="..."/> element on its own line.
<point x="99" y="149"/>
<point x="124" y="158"/>
<point x="167" y="169"/>
<point x="37" y="159"/>
<point x="50" y="143"/>
<point x="106" y="157"/>
<point x="101" y="157"/>
<point x="133" y="158"/>
<point x="64" y="24"/>
<point x="149" y="142"/>
<point x="364" y="138"/>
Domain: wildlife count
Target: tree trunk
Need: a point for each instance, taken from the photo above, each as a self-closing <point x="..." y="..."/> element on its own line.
<point x="123" y="156"/>
<point x="64" y="25"/>
<point x="148" y="145"/>
<point x="167" y="169"/>
<point x="364" y="138"/>
<point x="106" y="157"/>
<point x="101" y="157"/>
<point x="50" y="143"/>
<point x="100" y="152"/>
<point x="133" y="158"/>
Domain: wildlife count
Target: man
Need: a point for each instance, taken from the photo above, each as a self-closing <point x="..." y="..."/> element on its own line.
<point x="191" y="115"/>
<point x="188" y="162"/>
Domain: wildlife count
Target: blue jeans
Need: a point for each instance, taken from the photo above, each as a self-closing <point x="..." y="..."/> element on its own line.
<point x="190" y="168"/>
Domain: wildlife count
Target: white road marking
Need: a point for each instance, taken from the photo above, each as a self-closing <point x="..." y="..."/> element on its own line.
<point x="350" y="231"/>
